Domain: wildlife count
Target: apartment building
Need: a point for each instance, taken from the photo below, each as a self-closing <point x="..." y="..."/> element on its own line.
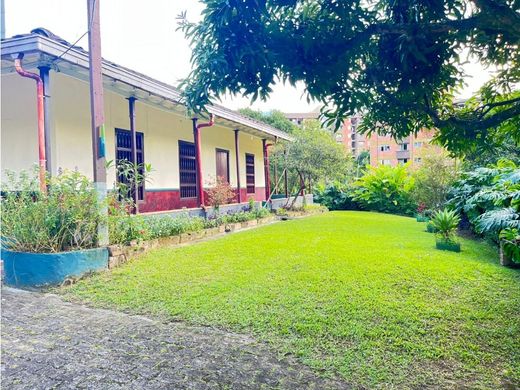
<point x="384" y="150"/>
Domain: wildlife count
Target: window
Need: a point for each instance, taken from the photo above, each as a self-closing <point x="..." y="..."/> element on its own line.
<point x="403" y="146"/>
<point x="417" y="144"/>
<point x="187" y="170"/>
<point x="384" y="162"/>
<point x="250" y="173"/>
<point x="124" y="152"/>
<point x="402" y="161"/>
<point x="417" y="159"/>
<point x="384" y="148"/>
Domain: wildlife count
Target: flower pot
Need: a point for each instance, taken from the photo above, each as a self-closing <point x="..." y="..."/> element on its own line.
<point x="24" y="269"/>
<point x="447" y="245"/>
<point x="505" y="260"/>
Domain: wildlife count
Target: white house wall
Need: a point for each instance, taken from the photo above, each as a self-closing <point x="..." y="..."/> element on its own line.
<point x="72" y="144"/>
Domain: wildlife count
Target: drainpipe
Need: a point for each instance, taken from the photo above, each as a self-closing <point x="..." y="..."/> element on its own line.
<point x="198" y="162"/>
<point x="41" y="117"/>
<point x="266" y="170"/>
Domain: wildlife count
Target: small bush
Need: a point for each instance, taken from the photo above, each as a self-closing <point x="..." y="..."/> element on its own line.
<point x="65" y="218"/>
<point x="165" y="225"/>
<point x="446" y="222"/>
<point x="221" y="193"/>
<point x="386" y="189"/>
<point x="336" y="196"/>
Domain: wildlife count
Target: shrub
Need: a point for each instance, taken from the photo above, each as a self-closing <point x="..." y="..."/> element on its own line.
<point x="165" y="225"/>
<point x="489" y="198"/>
<point x="433" y="180"/>
<point x="221" y="193"/>
<point x="65" y="218"/>
<point x="445" y="222"/>
<point x="386" y="189"/>
<point x="510" y="238"/>
<point x="336" y="196"/>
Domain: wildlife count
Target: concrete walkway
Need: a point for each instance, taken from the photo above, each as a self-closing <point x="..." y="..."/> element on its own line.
<point x="51" y="344"/>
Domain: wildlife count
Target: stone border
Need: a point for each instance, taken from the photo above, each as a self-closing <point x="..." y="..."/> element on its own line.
<point x="120" y="254"/>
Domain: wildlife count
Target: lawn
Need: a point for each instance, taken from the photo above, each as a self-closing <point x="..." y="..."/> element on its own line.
<point x="364" y="296"/>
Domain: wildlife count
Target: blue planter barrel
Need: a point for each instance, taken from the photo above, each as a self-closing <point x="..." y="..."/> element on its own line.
<point x="23" y="269"/>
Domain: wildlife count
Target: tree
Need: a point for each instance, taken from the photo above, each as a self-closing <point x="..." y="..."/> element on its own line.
<point x="313" y="155"/>
<point x="433" y="181"/>
<point x="397" y="62"/>
<point x="274" y="118"/>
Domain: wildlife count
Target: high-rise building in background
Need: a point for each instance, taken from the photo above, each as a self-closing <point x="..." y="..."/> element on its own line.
<point x="383" y="150"/>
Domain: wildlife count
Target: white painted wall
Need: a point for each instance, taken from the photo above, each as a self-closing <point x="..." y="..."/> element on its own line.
<point x="72" y="147"/>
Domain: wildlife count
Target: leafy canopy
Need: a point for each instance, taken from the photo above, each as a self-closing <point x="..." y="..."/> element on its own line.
<point x="398" y="62"/>
<point x="275" y="118"/>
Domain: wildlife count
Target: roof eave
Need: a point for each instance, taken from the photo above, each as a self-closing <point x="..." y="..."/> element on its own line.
<point x="37" y="43"/>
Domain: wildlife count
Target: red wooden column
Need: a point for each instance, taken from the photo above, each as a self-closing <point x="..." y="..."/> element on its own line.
<point x="267" y="178"/>
<point x="237" y="159"/>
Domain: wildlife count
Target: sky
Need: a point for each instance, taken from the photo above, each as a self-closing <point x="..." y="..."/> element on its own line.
<point x="143" y="36"/>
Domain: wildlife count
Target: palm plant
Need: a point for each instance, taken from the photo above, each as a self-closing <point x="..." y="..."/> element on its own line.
<point x="446" y="222"/>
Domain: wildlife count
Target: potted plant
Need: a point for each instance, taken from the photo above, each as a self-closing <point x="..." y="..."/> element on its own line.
<point x="509" y="246"/>
<point x="446" y="222"/>
<point x="49" y="236"/>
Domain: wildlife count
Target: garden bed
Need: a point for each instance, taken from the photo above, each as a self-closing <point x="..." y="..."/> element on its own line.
<point x="120" y="254"/>
<point x="24" y="269"/>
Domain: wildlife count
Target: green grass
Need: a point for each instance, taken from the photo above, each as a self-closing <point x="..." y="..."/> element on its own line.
<point x="364" y="296"/>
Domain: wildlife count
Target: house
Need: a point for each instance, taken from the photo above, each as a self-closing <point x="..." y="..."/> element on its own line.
<point x="234" y="147"/>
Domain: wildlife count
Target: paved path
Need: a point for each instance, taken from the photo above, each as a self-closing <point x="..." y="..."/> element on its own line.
<point x="48" y="343"/>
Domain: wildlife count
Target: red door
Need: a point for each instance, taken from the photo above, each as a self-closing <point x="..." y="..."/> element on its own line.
<point x="223" y="164"/>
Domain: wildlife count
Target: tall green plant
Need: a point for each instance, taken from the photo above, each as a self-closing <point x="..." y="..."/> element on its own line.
<point x="64" y="218"/>
<point x="386" y="189"/>
<point x="445" y="222"/>
<point x="433" y="180"/>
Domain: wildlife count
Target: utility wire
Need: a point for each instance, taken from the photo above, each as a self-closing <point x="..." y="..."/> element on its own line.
<point x="82" y="35"/>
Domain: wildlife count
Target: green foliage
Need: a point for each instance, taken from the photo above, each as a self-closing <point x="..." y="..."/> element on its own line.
<point x="251" y="203"/>
<point x="165" y="225"/>
<point x="357" y="295"/>
<point x="124" y="227"/>
<point x="65" y="218"/>
<point x="489" y="197"/>
<point x="445" y="222"/>
<point x="399" y="62"/>
<point x="510" y="238"/>
<point x="274" y="118"/>
<point x="312" y="156"/>
<point x="386" y="189"/>
<point x="336" y="196"/>
<point x="433" y="181"/>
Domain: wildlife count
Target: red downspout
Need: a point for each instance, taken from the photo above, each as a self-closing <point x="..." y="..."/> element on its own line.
<point x="266" y="170"/>
<point x="198" y="152"/>
<point x="41" y="117"/>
